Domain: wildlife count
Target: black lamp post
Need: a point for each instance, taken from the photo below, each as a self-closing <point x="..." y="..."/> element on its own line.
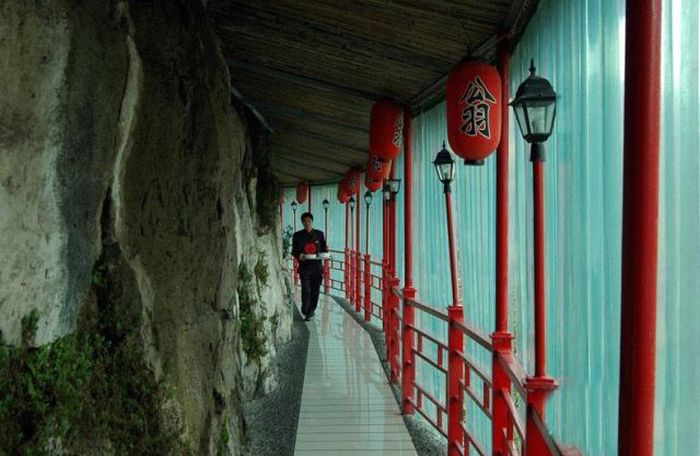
<point x="445" y="168"/>
<point x="294" y="209"/>
<point x="368" y="202"/>
<point x="394" y="186"/>
<point x="535" y="109"/>
<point x="326" y="205"/>
<point x="386" y="192"/>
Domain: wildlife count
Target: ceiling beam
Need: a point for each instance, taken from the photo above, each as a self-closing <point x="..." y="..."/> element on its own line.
<point x="292" y="176"/>
<point x="306" y="173"/>
<point x="298" y="79"/>
<point x="325" y="142"/>
<point x="437" y="88"/>
<point x="302" y="113"/>
<point x="319" y="155"/>
<point x="322" y="165"/>
<point x="344" y="140"/>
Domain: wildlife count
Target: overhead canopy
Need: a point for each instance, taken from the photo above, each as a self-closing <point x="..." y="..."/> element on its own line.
<point x="313" y="68"/>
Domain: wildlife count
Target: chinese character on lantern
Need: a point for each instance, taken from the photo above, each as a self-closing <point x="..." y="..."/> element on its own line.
<point x="475" y="115"/>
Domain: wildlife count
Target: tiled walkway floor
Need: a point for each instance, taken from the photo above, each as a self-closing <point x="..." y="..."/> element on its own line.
<point x="347" y="406"/>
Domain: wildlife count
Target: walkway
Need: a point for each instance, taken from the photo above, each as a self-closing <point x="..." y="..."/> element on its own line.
<point x="347" y="406"/>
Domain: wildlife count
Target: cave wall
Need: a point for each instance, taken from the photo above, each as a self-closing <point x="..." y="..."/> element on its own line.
<point x="118" y="137"/>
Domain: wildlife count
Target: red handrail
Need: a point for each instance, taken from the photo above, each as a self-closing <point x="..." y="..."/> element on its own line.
<point x="439" y="363"/>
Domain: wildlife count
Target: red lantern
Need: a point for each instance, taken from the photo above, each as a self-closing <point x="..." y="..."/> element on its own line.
<point x="351" y="181"/>
<point x="385" y="129"/>
<point x="474" y="110"/>
<point x="343" y="196"/>
<point x="378" y="168"/>
<point x="302" y="192"/>
<point x="373" y="184"/>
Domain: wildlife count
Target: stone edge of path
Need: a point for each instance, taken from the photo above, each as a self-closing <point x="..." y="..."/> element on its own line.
<point x="428" y="442"/>
<point x="272" y="420"/>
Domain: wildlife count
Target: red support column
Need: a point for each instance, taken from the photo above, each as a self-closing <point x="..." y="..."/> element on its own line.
<point x="455" y="376"/>
<point x="295" y="262"/>
<point x="409" y="292"/>
<point x="326" y="263"/>
<point x="385" y="275"/>
<point x="502" y="338"/>
<point x="358" y="259"/>
<point x="346" y="269"/>
<point x="309" y="198"/>
<point x="640" y="228"/>
<point x="368" y="288"/>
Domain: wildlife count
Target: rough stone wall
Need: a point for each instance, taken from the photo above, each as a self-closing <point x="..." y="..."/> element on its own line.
<point x="117" y="135"/>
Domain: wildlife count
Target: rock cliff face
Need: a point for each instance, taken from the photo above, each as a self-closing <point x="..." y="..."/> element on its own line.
<point x="129" y="188"/>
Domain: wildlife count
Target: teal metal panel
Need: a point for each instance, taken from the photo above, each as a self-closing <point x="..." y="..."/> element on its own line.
<point x="677" y="419"/>
<point x="579" y="46"/>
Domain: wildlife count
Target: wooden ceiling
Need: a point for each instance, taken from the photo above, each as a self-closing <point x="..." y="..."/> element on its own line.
<point x="313" y="68"/>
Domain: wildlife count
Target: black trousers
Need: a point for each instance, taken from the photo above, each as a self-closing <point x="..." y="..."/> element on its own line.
<point x="310" y="288"/>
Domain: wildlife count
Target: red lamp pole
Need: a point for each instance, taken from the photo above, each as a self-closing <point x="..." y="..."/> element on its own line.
<point x="346" y="271"/>
<point x="358" y="265"/>
<point x="326" y="263"/>
<point x="368" y="271"/>
<point x="351" y="259"/>
<point x="385" y="268"/>
<point x="502" y="338"/>
<point x="296" y="262"/>
<point x="640" y="228"/>
<point x="455" y="345"/>
<point x="409" y="292"/>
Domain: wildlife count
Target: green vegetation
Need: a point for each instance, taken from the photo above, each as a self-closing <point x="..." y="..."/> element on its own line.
<point x="252" y="325"/>
<point x="262" y="271"/>
<point x="224" y="436"/>
<point x="268" y="193"/>
<point x="287" y="240"/>
<point x="88" y="391"/>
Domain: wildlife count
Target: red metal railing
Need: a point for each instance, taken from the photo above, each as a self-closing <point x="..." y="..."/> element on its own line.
<point x="448" y="359"/>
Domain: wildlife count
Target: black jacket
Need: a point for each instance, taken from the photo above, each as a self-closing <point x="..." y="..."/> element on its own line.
<point x="299" y="242"/>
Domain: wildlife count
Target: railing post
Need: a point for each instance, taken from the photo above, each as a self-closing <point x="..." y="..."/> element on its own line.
<point x="388" y="314"/>
<point x="346" y="273"/>
<point x="385" y="298"/>
<point x="394" y="330"/>
<point x="327" y="275"/>
<point x="359" y="280"/>
<point x="368" y="288"/>
<point x="408" y="375"/>
<point x="455" y="376"/>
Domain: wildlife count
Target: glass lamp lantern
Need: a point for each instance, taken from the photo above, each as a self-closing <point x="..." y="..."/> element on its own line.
<point x="444" y="166"/>
<point x="535" y="107"/>
<point x="368" y="198"/>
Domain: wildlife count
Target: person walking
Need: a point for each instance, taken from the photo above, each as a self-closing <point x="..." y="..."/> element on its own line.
<point x="307" y="244"/>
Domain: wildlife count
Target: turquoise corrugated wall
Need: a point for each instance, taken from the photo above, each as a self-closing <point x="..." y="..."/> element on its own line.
<point x="579" y="46"/>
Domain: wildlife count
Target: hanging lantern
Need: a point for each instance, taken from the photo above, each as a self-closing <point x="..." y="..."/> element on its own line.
<point x="377" y="168"/>
<point x="373" y="184"/>
<point x="302" y="192"/>
<point x="351" y="181"/>
<point x="343" y="196"/>
<point x="474" y="110"/>
<point x="385" y="129"/>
